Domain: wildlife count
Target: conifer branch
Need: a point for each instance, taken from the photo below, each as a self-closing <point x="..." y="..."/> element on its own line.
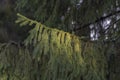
<point x="98" y="20"/>
<point x="60" y="54"/>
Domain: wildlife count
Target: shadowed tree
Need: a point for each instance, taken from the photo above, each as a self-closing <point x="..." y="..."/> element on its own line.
<point x="94" y="20"/>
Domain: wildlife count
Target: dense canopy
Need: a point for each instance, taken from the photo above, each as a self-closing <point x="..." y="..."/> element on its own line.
<point x="76" y="38"/>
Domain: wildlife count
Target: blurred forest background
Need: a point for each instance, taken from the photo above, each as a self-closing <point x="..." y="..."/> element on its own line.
<point x="91" y="20"/>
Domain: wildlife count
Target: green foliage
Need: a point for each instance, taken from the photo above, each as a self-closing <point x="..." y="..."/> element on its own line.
<point x="54" y="54"/>
<point x="15" y="62"/>
<point x="48" y="12"/>
<point x="61" y="13"/>
<point x="63" y="56"/>
<point x="57" y="55"/>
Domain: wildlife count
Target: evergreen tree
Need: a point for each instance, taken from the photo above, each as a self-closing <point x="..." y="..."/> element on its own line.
<point x="82" y="13"/>
<point x="89" y="19"/>
<point x="55" y="55"/>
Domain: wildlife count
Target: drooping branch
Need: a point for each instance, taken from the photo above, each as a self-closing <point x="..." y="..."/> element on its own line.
<point x="98" y="20"/>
